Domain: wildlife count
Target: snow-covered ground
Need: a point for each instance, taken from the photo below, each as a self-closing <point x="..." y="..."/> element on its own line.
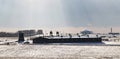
<point x="66" y="51"/>
<point x="105" y="50"/>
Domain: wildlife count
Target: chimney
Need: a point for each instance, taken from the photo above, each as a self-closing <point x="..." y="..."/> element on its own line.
<point x="111" y="30"/>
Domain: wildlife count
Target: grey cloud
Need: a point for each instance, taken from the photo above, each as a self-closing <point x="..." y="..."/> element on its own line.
<point x="50" y="13"/>
<point x="95" y="12"/>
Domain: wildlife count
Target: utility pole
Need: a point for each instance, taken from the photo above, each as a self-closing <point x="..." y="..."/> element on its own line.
<point x="111" y="30"/>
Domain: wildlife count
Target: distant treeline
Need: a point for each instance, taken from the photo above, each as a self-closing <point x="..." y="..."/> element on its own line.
<point x="6" y="34"/>
<point x="26" y="33"/>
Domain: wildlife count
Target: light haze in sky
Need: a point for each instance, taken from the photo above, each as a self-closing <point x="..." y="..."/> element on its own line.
<point x="59" y="13"/>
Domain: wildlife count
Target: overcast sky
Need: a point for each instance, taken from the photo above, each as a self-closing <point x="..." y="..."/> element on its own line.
<point x="59" y="13"/>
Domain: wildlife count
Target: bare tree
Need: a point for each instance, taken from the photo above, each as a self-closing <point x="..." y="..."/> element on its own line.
<point x="51" y="33"/>
<point x="88" y="36"/>
<point x="57" y="33"/>
<point x="78" y="35"/>
<point x="70" y="35"/>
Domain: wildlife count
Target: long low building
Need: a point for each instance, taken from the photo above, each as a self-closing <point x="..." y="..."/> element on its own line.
<point x="65" y="40"/>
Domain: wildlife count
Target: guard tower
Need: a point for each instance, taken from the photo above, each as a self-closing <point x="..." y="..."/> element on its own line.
<point x="21" y="37"/>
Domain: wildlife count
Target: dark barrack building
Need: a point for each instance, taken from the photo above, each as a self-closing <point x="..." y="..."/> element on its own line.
<point x="65" y="40"/>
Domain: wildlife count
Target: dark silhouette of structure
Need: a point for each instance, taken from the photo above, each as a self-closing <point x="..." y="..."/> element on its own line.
<point x="113" y="33"/>
<point x="21" y="37"/>
<point x="111" y="30"/>
<point x="28" y="32"/>
<point x="40" y="40"/>
<point x="39" y="32"/>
